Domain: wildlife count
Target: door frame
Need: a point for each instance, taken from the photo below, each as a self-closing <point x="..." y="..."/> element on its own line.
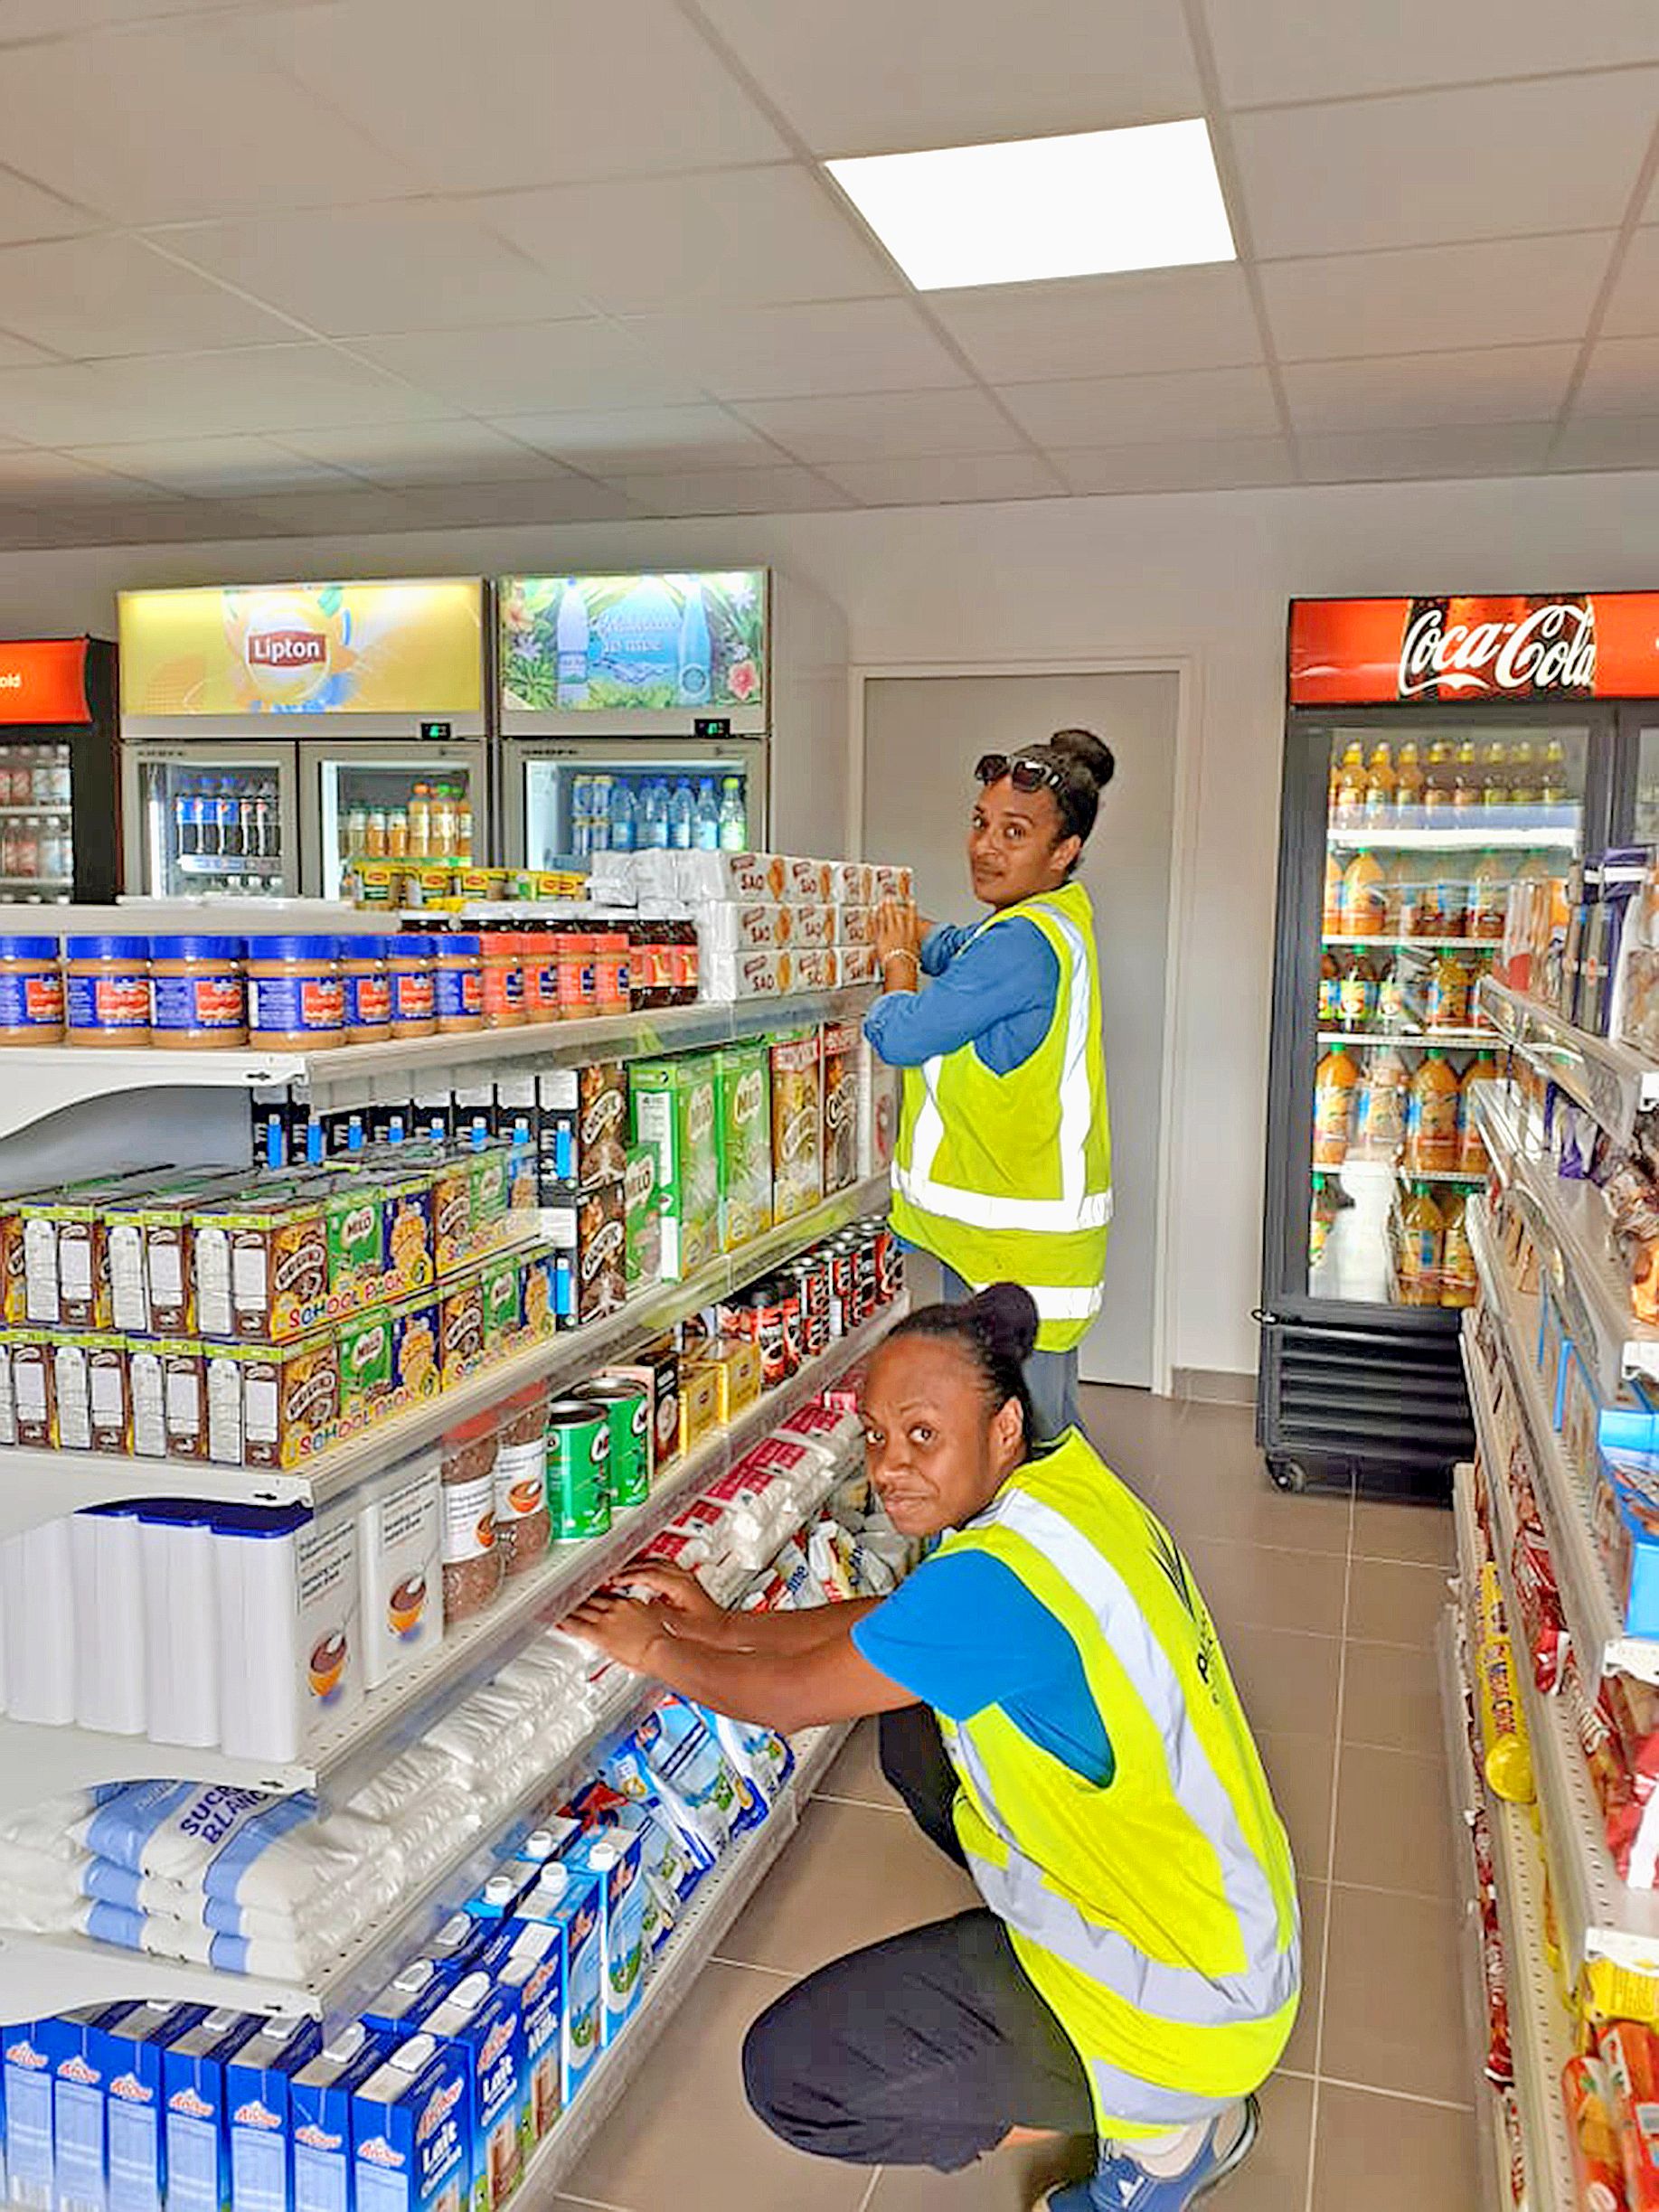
<point x="1184" y="835"/>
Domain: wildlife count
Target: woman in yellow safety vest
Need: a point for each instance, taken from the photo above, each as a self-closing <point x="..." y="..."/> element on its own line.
<point x="1060" y="1717"/>
<point x="1003" y="1168"/>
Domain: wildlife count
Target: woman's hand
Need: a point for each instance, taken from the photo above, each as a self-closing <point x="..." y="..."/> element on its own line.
<point x="897" y="944"/>
<point x="622" y="1628"/>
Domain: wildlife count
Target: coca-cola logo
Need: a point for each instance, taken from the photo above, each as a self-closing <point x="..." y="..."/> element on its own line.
<point x="286" y="649"/>
<point x="1550" y="648"/>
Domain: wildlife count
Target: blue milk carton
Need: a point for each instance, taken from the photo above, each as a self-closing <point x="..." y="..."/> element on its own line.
<point x="483" y="2021"/>
<point x="533" y="1970"/>
<point x="616" y="1859"/>
<point x="413" y="1990"/>
<point x="568" y="1898"/>
<point x="27" y="2072"/>
<point x="320" y="2117"/>
<point x="412" y="2140"/>
<point x="133" y="2046"/>
<point x="80" y="2079"/>
<point x="256" y="2098"/>
<point x="197" y="2119"/>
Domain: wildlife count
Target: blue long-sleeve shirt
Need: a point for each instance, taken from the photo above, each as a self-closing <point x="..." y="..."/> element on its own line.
<point x="995" y="989"/>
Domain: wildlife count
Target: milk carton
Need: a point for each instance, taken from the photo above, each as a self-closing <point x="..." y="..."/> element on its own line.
<point x="567" y="1899"/>
<point x="257" y="2097"/>
<point x="196" y="2119"/>
<point x="411" y="2136"/>
<point x="25" y="2069"/>
<point x="78" y="2072"/>
<point x="413" y="1990"/>
<point x="485" y="2023"/>
<point x="616" y="1859"/>
<point x="533" y="1970"/>
<point x="320" y="2117"/>
<point x="132" y="2047"/>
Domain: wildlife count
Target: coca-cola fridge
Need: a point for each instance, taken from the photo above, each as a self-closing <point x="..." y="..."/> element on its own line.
<point x="1438" y="751"/>
<point x="59" y="837"/>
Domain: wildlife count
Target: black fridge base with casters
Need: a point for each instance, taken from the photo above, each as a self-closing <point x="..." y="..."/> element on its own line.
<point x="1343" y="1405"/>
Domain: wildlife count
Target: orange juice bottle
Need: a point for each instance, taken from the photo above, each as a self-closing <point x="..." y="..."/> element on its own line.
<point x="1496" y="788"/>
<point x="1471" y="1147"/>
<point x="1364" y="896"/>
<point x="1336" y="1080"/>
<point x="1449" y="984"/>
<point x="1357" y="993"/>
<point x="1522" y="774"/>
<point x="1408" y="777"/>
<point x="1323" y="1212"/>
<point x="1439" y="778"/>
<point x="1459" y="1284"/>
<point x="1431" y="1117"/>
<point x="1379" y="782"/>
<point x="1379" y="1110"/>
<point x="1552" y="775"/>
<point x="1488" y="898"/>
<point x="1467" y="778"/>
<point x="1330" y="992"/>
<point x="1333" y="926"/>
<point x="1351" y="782"/>
<point x="1421" y="1245"/>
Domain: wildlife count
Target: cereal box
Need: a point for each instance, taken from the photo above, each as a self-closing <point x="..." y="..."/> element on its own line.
<point x="499" y="1283"/>
<point x="414" y="1349"/>
<point x="89" y="1392"/>
<point x="601" y="1252"/>
<point x="743" y="1141"/>
<point x="262" y="1266"/>
<point x="167" y="1384"/>
<point x="460" y="1330"/>
<point x="797" y="1125"/>
<point x="366" y="1370"/>
<point x="272" y="1406"/>
<point x="644" y="1246"/>
<point x="674" y="1113"/>
<point x="842" y="1059"/>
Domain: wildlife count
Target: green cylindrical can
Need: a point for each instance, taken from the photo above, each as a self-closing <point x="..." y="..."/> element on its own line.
<point x="629" y="1410"/>
<point x="578" y="1436"/>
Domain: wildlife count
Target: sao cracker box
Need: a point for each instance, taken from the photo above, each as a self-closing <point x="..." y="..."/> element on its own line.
<point x="797" y="1125"/>
<point x="674" y="1113"/>
<point x="743" y="1141"/>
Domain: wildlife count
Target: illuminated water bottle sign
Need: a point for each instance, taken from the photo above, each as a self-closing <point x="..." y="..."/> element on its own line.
<point x="597" y="644"/>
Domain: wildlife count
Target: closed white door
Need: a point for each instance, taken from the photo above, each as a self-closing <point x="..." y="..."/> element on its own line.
<point x="922" y="735"/>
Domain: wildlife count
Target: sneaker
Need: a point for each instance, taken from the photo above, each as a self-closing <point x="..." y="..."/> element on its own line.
<point x="1122" y="2185"/>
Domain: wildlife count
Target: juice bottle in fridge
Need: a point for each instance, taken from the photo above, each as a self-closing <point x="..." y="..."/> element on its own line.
<point x="1332" y="924"/>
<point x="1336" y="1080"/>
<point x="1439" y="778"/>
<point x="1379" y="782"/>
<point x="1351" y="782"/>
<point x="420" y="823"/>
<point x="463" y="829"/>
<point x="1431" y="1117"/>
<point x="1330" y="992"/>
<point x="1421" y="1245"/>
<point x="1488" y="898"/>
<point x="1496" y="788"/>
<point x="1467" y="785"/>
<point x="1522" y="774"/>
<point x="1459" y="1286"/>
<point x="1380" y="1108"/>
<point x="1470" y="1147"/>
<point x="1323" y="1213"/>
<point x="1364" y="896"/>
<point x="1409" y="778"/>
<point x="1448" y="1005"/>
<point x="1552" y="775"/>
<point x="1357" y="992"/>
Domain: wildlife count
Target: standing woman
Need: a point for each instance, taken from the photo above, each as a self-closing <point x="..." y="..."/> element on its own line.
<point x="1003" y="1168"/>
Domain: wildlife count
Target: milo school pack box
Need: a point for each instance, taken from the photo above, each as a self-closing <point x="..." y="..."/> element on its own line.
<point x="673" y="1112"/>
<point x="743" y="1141"/>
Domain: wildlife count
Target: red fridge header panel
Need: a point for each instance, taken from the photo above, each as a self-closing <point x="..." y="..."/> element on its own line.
<point x="44" y="680"/>
<point x="1353" y="653"/>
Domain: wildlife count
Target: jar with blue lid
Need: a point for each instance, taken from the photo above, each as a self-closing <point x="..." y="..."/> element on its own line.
<point x="198" y="992"/>
<point x="414" y="1000"/>
<point x="296" y="992"/>
<point x="30" y="992"/>
<point x="106" y="995"/>
<point x="368" y="988"/>
<point x="458" y="978"/>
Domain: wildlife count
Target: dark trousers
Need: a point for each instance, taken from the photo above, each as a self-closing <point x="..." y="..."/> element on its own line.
<point x="923" y="2050"/>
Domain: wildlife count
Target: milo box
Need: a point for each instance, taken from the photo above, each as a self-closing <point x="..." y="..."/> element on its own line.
<point x="673" y="1112"/>
<point x="743" y="1141"/>
<point x="643" y="1227"/>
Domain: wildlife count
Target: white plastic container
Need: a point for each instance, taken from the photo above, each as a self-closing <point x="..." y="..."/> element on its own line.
<point x="110" y="1652"/>
<point x="181" y="1617"/>
<point x="399" y="1549"/>
<point x="37" y="1607"/>
<point x="289" y="1628"/>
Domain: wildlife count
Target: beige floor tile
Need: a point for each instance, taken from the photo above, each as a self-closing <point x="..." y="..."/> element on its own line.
<point x="1274" y="2178"/>
<point x="1381" y="2154"/>
<point x="1217" y="1485"/>
<point x="1389" y="1602"/>
<point x="1392" y="1998"/>
<point x="853" y="1875"/>
<point x="683" y="2133"/>
<point x="1393" y="1822"/>
<point x="1286" y="1680"/>
<point x="1302" y="1776"/>
<point x="1260" y="1585"/>
<point x="1391" y="1697"/>
<point x="857" y="1773"/>
<point x="1300" y="2051"/>
<point x="1007" y="2181"/>
<point x="1421" y="1533"/>
<point x="1133" y="1432"/>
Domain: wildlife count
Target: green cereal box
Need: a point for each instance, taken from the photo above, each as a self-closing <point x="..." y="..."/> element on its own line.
<point x="367" y="1367"/>
<point x="673" y="1103"/>
<point x="743" y="1141"/>
<point x="354" y="1222"/>
<point x="643" y="1223"/>
<point x="499" y="1282"/>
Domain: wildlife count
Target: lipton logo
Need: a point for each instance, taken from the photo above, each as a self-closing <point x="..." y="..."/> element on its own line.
<point x="76" y="2070"/>
<point x="25" y="2055"/>
<point x="254" y="2114"/>
<point x="747" y="1098"/>
<point x="286" y="649"/>
<point x="190" y="2106"/>
<point x="494" y="2043"/>
<point x="378" y="2152"/>
<point x="131" y="2090"/>
<point x="317" y="2139"/>
<point x="443" y="2103"/>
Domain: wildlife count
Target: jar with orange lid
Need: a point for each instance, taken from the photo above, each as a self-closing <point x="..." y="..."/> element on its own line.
<point x="414" y="991"/>
<point x="579" y="994"/>
<point x="541" y="957"/>
<point x="30" y="992"/>
<point x="368" y="988"/>
<point x="108" y="991"/>
<point x="198" y="992"/>
<point x="458" y="974"/>
<point x="504" y="978"/>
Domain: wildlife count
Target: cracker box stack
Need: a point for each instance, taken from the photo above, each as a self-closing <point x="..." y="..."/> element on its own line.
<point x="769" y="924"/>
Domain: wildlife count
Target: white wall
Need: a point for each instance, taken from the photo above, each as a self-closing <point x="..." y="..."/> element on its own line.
<point x="1204" y="576"/>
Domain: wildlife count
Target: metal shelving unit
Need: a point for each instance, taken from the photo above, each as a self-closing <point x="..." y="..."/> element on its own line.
<point x="1612" y="1082"/>
<point x="1456" y="837"/>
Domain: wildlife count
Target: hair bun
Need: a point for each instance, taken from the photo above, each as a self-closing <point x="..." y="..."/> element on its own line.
<point x="1006" y="1313"/>
<point x="1090" y="753"/>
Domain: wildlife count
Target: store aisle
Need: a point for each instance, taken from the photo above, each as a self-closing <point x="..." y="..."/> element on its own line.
<point x="1327" y="1607"/>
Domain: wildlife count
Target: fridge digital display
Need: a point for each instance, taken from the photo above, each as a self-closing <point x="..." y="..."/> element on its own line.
<point x="1425" y="835"/>
<point x="622" y="806"/>
<point x="576" y="645"/>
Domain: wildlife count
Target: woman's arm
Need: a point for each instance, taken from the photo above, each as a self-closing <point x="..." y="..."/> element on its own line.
<point x="1005" y="978"/>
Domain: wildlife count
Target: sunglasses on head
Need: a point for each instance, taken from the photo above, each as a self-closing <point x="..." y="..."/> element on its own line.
<point x="1024" y="771"/>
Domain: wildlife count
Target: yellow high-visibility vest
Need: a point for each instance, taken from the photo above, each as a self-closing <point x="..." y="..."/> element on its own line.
<point x="1156" y="1913"/>
<point x="1008" y="1178"/>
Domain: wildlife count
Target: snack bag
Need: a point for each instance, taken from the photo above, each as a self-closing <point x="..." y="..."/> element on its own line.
<point x="1630" y="2056"/>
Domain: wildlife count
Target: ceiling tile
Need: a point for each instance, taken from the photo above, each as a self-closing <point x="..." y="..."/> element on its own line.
<point x="212" y="467"/>
<point x="735" y="491"/>
<point x="544" y="499"/>
<point x="28" y="211"/>
<point x="554" y="91"/>
<point x="939" y="479"/>
<point x="1508" y="292"/>
<point x="90" y="297"/>
<point x="58" y="19"/>
<point x="868" y="78"/>
<point x="1176" y="318"/>
<point x="1493" y="161"/>
<point x="642" y="245"/>
<point x="409" y="455"/>
<point x="1511" y="383"/>
<point x="349" y="271"/>
<point x="872" y="426"/>
<point x="1121" y="410"/>
<point x="519" y="368"/>
<point x="1608" y="441"/>
<point x="60" y="479"/>
<point x="18" y="353"/>
<point x="784" y="353"/>
<point x="633" y="441"/>
<point x="1186" y="465"/>
<point x="1633" y="312"/>
<point x="1269" y="51"/>
<point x="1478" y="450"/>
<point x="172" y="120"/>
<point x="1622" y="378"/>
<point x="309" y="514"/>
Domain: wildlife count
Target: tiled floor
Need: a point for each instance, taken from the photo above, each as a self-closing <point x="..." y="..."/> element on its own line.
<point x="1325" y="1606"/>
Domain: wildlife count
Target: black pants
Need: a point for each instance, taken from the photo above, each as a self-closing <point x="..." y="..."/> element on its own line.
<point x="923" y="2050"/>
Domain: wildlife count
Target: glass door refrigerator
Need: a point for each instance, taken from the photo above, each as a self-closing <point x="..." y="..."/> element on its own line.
<point x="1438" y="750"/>
<point x="58" y="835"/>
<point x="634" y="713"/>
<point x="271" y="735"/>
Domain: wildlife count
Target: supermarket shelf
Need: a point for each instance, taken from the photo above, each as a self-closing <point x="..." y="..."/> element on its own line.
<point x="1408" y="1037"/>
<point x="37" y="1486"/>
<point x="1613" y="1081"/>
<point x="53" y="1077"/>
<point x="1415" y="945"/>
<point x="694" y="1943"/>
<point x="1465" y="1796"/>
<point x="38" y="1762"/>
<point x="35" y="813"/>
<point x="1479" y="837"/>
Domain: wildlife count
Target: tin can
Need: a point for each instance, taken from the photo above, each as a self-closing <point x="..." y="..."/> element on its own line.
<point x="812" y="1273"/>
<point x="889" y="1263"/>
<point x="843" y="1287"/>
<point x="771" y="1334"/>
<point x="629" y="1410"/>
<point x="578" y="1468"/>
